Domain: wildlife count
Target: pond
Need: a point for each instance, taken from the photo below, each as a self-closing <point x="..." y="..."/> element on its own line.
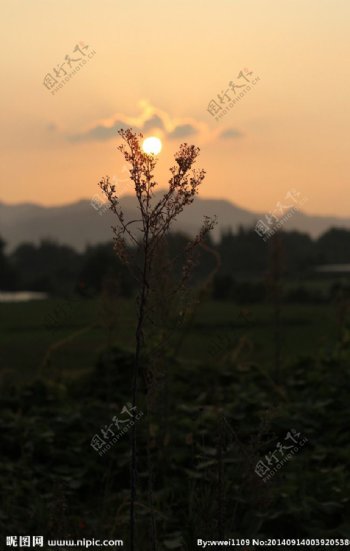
<point x="21" y="296"/>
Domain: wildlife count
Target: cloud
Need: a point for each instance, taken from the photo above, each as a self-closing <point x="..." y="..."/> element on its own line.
<point x="152" y="119"/>
<point x="100" y="132"/>
<point x="52" y="127"/>
<point x="182" y="131"/>
<point x="153" y="122"/>
<point x="230" y="133"/>
<point x="149" y="119"/>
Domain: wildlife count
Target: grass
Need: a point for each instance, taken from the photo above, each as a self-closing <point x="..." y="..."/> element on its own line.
<point x="217" y="326"/>
<point x="52" y="482"/>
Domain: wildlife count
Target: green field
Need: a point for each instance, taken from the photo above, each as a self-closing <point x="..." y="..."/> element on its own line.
<point x="82" y="333"/>
<point x="214" y="407"/>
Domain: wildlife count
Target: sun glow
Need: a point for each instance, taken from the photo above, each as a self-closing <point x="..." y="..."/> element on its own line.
<point x="152" y="145"/>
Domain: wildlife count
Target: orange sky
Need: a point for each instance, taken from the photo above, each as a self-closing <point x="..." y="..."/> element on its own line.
<point x="159" y="64"/>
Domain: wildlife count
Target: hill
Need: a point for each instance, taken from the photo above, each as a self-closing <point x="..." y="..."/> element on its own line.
<point x="78" y="224"/>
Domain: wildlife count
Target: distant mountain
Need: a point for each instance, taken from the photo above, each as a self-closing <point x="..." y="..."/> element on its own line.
<point x="79" y="224"/>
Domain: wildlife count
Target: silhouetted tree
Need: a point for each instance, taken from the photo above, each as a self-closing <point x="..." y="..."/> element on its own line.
<point x="46" y="267"/>
<point x="8" y="274"/>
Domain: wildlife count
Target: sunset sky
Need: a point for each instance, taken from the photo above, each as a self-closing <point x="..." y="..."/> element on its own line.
<point x="157" y="66"/>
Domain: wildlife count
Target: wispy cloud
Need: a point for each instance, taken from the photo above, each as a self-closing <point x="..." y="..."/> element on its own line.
<point x="154" y="122"/>
<point x="230" y="133"/>
<point x="182" y="131"/>
<point x="152" y="119"/>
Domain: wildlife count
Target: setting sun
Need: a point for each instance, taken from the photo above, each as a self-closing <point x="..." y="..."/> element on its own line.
<point x="152" y="145"/>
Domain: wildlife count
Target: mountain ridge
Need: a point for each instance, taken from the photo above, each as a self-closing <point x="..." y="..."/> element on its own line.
<point x="79" y="224"/>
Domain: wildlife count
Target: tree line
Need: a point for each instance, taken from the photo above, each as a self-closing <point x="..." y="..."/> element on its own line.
<point x="240" y="261"/>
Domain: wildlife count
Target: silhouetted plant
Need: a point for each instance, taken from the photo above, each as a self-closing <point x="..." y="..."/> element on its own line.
<point x="142" y="238"/>
<point x="275" y="288"/>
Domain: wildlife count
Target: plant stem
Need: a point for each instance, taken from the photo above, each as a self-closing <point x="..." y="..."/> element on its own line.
<point x="139" y="339"/>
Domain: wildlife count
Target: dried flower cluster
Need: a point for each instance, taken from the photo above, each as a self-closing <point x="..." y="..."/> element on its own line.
<point x="155" y="220"/>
